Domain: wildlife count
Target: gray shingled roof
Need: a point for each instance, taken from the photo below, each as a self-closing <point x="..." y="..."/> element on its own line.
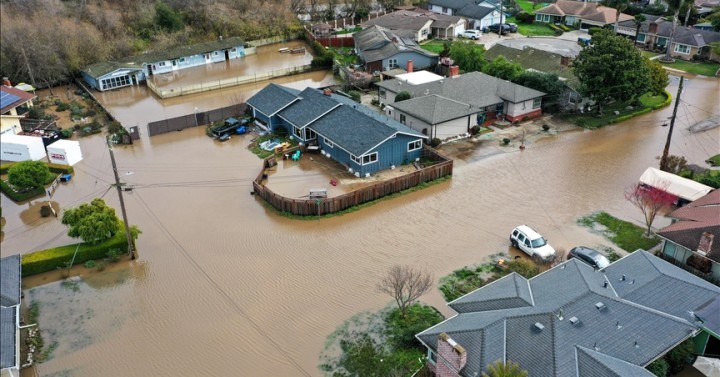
<point x="535" y="59"/>
<point x="183" y="51"/>
<point x="511" y="291"/>
<point x="434" y="109"/>
<point x="474" y="11"/>
<point x="7" y="337"/>
<point x="617" y="339"/>
<point x="378" y="43"/>
<point x="272" y="99"/>
<point x="100" y="69"/>
<point x="683" y="34"/>
<point x="312" y="105"/>
<point x="403" y="20"/>
<point x="595" y="364"/>
<point x="474" y="88"/>
<point x="452" y="4"/>
<point x="10" y="280"/>
<point x="353" y="131"/>
<point x="709" y="314"/>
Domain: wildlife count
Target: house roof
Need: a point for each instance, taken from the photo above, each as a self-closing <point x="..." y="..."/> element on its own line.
<point x="477" y="12"/>
<point x="590" y="11"/>
<point x="683" y="34"/>
<point x="379" y="43"/>
<point x="434" y="109"/>
<point x="11" y="98"/>
<point x="452" y="4"/>
<point x="10" y="281"/>
<point x="182" y="51"/>
<point x="312" y="105"/>
<point x="101" y="69"/>
<point x="588" y="327"/>
<point x="535" y="59"/>
<point x="272" y="99"/>
<point x="694" y="219"/>
<point x="510" y="291"/>
<point x="404" y="20"/>
<point x="708" y="313"/>
<point x="462" y="89"/>
<point x="8" y="341"/>
<point x="351" y="126"/>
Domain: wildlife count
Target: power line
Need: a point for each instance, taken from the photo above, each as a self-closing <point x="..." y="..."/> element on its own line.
<point x="213" y="283"/>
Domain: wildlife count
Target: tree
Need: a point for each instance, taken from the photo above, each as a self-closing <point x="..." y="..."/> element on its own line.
<point x="470" y="57"/>
<point x="93" y="223"/>
<point x="638" y="20"/>
<point x="675" y="6"/>
<point x="167" y="18"/>
<point x="548" y="83"/>
<point x="658" y="367"/>
<point x="619" y="5"/>
<point x="402" y="96"/>
<point x="650" y="200"/>
<point x="611" y="68"/>
<point x="658" y="76"/>
<point x="28" y="175"/>
<point x="405" y="284"/>
<point x="509" y="369"/>
<point x="502" y="68"/>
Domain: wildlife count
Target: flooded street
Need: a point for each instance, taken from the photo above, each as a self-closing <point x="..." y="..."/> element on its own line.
<point x="225" y="287"/>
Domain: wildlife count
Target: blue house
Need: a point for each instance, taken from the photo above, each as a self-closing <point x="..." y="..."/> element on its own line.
<point x="133" y="70"/>
<point x="382" y="49"/>
<point x="364" y="141"/>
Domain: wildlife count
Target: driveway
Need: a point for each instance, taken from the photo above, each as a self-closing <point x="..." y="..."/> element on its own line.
<point x="560" y="45"/>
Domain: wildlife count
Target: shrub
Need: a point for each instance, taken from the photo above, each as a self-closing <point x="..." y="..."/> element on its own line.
<point x="545" y="127"/>
<point x="90" y="113"/>
<point x="594" y="30"/>
<point x="474" y="130"/>
<point x="525" y="17"/>
<point x="679" y="356"/>
<point x="77" y="127"/>
<point x="505" y="141"/>
<point x="711" y="178"/>
<point x="113" y="255"/>
<point x="402" y="96"/>
<point x="355" y="95"/>
<point x="90" y="264"/>
<point x="50" y="259"/>
<point x="558" y="32"/>
<point x="45" y="211"/>
<point x="699" y="263"/>
<point x="658" y="367"/>
<point x="66" y="133"/>
<point x="435" y="142"/>
<point x="523" y="267"/>
<point x="100" y="265"/>
<point x="61" y="106"/>
<point x="564" y="27"/>
<point x="401" y="331"/>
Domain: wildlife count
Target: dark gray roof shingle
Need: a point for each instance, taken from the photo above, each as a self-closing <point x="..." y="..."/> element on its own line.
<point x="353" y="131"/>
<point x="272" y="99"/>
<point x="10" y="280"/>
<point x="587" y="327"/>
<point x="7" y="337"/>
<point x="511" y="291"/>
<point x="312" y="105"/>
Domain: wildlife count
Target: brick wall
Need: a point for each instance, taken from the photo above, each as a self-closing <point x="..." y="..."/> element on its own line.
<point x="451" y="357"/>
<point x="533" y="114"/>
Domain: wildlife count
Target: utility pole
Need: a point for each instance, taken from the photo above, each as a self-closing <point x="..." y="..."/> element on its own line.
<point x="500" y="31"/>
<point x="130" y="241"/>
<point x="664" y="159"/>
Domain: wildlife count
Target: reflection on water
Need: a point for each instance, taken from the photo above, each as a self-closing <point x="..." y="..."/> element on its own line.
<point x="228" y="288"/>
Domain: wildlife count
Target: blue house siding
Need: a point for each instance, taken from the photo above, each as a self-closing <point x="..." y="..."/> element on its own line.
<point x="182" y="62"/>
<point x="90" y="80"/>
<point x="392" y="152"/>
<point x="419" y="61"/>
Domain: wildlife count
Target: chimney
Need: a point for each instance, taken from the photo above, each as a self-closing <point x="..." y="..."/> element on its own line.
<point x="454" y="71"/>
<point x="327" y="91"/>
<point x="564" y="61"/>
<point x="652" y="29"/>
<point x="452" y="357"/>
<point x="7" y="82"/>
<point x="409" y="66"/>
<point x="706" y="241"/>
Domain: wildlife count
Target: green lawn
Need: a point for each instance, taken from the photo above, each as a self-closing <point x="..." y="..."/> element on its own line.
<point x="648" y="54"/>
<point x="527" y="6"/>
<point x="705" y="69"/>
<point x="650" y="100"/>
<point x="532" y="30"/>
<point x="434" y="45"/>
<point x="626" y="235"/>
<point x="714" y="160"/>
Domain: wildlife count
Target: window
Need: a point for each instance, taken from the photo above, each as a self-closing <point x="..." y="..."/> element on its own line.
<point x="424" y="32"/>
<point x="309" y="134"/>
<point x="383" y="93"/>
<point x="392" y="63"/>
<point x="182" y="60"/>
<point x="641" y="38"/>
<point x="682" y="49"/>
<point x="546" y="18"/>
<point x="161" y="64"/>
<point x="328" y="143"/>
<point x="297" y="132"/>
<point x="174" y="63"/>
<point x="414" y="145"/>
<point x="355" y="159"/>
<point x="661" y="42"/>
<point x="537" y="102"/>
<point x="215" y="53"/>
<point x="402" y="118"/>
<point x="538" y="17"/>
<point x="370" y="158"/>
<point x="445" y="10"/>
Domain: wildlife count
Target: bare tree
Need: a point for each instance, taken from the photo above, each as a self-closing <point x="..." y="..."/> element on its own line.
<point x="650" y="200"/>
<point x="405" y="284"/>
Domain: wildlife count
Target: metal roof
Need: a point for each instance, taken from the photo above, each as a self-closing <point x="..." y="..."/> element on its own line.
<point x="8" y="341"/>
<point x="10" y="280"/>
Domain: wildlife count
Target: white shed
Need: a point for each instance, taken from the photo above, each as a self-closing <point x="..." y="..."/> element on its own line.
<point x="65" y="152"/>
<point x="683" y="188"/>
<point x="16" y="148"/>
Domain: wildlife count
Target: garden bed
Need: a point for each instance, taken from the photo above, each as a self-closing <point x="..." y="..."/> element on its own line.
<point x="624" y="234"/>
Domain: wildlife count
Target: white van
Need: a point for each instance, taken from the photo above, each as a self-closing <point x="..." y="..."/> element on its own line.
<point x="471" y="34"/>
<point x="531" y="242"/>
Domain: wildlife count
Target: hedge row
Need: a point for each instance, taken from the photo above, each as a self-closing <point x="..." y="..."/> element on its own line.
<point x="50" y="259"/>
<point x="54" y="168"/>
<point x="644" y="111"/>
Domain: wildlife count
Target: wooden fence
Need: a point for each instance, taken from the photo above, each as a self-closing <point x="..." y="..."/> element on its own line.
<point x="315" y="207"/>
<point x="199" y="118"/>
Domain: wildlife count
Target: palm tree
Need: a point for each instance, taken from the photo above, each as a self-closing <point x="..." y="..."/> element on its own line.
<point x="638" y="20"/>
<point x="509" y="369"/>
<point x="674" y="6"/>
<point x="619" y="5"/>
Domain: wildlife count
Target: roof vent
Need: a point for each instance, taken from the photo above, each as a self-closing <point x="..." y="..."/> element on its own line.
<point x="599" y="305"/>
<point x="560" y="315"/>
<point x="636" y="344"/>
<point x="622" y="278"/>
<point x="618" y="325"/>
<point x="574" y="320"/>
<point x="633" y="281"/>
<point x="605" y="284"/>
<point x="539" y="326"/>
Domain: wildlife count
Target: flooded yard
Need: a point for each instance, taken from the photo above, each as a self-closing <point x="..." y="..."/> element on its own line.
<point x="224" y="287"/>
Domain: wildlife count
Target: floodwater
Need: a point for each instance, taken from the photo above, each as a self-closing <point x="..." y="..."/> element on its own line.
<point x="224" y="287"/>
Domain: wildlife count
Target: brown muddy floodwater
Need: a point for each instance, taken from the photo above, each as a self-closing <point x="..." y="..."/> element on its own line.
<point x="224" y="287"/>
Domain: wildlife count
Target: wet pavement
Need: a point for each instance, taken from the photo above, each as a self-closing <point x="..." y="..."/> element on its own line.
<point x="224" y="287"/>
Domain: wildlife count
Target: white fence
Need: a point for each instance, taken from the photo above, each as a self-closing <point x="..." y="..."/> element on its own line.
<point x="225" y="83"/>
